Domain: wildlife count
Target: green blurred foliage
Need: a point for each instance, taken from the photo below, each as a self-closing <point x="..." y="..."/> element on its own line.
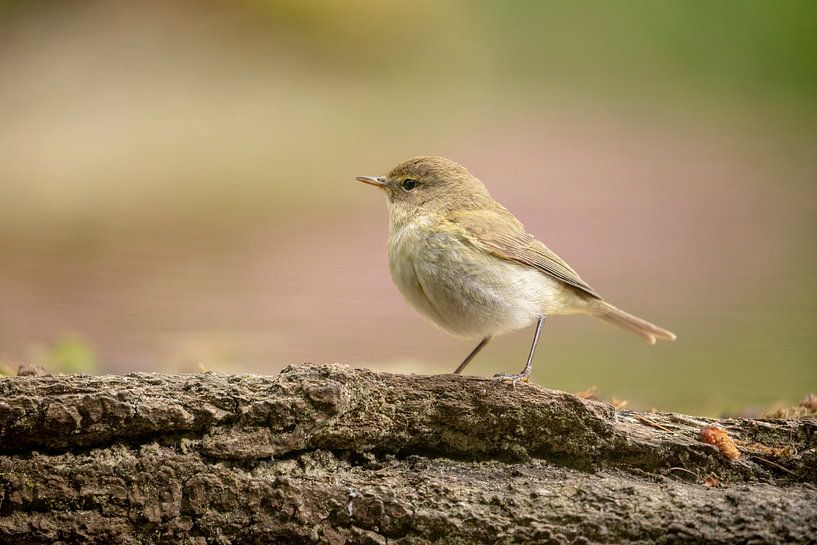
<point x="68" y="354"/>
<point x="7" y="369"/>
<point x="759" y="47"/>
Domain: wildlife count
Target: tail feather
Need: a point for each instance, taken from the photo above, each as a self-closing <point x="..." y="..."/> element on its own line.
<point x="647" y="331"/>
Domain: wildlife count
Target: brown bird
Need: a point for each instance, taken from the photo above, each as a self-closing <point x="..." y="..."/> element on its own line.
<point x="461" y="259"/>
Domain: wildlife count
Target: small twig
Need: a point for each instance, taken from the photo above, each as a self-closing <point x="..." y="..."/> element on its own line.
<point x="645" y="420"/>
<point x="775" y="464"/>
<point x="685" y="470"/>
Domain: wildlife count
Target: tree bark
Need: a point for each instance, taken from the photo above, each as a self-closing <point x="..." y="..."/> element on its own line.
<point x="331" y="454"/>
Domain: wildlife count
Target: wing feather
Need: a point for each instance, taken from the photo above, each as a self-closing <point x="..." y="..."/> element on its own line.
<point x="500" y="233"/>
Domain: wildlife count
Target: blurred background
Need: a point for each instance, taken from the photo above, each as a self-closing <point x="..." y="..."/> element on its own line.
<point x="177" y="184"/>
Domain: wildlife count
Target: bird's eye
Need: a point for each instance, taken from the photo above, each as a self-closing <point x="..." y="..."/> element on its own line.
<point x="408" y="184"/>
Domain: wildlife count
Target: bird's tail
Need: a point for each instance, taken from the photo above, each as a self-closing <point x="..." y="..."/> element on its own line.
<point x="647" y="331"/>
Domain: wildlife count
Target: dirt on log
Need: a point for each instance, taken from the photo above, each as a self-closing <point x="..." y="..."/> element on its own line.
<point x="331" y="454"/>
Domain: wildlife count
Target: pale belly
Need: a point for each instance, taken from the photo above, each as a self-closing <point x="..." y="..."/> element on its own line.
<point x="469" y="293"/>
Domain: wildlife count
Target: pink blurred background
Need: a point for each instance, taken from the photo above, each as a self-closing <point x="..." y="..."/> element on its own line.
<point x="177" y="185"/>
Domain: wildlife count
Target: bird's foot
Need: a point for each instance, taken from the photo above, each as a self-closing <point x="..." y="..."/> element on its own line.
<point x="502" y="377"/>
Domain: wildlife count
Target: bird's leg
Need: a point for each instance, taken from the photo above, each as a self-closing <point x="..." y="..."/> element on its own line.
<point x="470" y="356"/>
<point x="526" y="371"/>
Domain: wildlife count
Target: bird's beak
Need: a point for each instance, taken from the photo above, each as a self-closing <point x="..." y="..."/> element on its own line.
<point x="378" y="181"/>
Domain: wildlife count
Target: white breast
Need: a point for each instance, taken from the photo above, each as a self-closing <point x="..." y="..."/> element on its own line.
<point x="464" y="290"/>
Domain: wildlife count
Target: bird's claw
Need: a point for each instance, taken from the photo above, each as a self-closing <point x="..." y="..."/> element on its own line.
<point x="502" y="377"/>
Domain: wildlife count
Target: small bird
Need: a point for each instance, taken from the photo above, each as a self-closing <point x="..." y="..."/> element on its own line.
<point x="461" y="259"/>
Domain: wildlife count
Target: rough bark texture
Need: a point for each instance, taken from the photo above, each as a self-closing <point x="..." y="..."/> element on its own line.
<point x="332" y="454"/>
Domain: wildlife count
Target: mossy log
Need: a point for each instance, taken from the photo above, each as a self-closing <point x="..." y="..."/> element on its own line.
<point x="331" y="454"/>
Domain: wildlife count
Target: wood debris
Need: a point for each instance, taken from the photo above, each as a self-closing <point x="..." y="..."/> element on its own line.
<point x="718" y="437"/>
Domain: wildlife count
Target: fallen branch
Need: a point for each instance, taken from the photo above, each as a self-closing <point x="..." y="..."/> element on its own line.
<point x="331" y="454"/>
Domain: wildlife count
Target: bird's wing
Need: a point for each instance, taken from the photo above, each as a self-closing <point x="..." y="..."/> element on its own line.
<point x="501" y="234"/>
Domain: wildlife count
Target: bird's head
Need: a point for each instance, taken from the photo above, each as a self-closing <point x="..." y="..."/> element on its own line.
<point x="427" y="185"/>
